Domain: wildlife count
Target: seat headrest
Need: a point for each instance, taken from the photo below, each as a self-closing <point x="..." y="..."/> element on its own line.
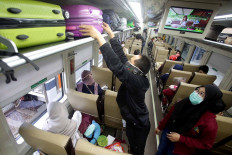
<point x="47" y="142"/>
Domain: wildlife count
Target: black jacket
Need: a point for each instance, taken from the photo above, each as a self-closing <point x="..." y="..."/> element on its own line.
<point x="131" y="94"/>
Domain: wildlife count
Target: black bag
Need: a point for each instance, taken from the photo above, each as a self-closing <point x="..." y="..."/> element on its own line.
<point x="111" y="18"/>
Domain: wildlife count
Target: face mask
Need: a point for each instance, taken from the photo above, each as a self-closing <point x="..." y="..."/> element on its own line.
<point x="195" y="98"/>
<point x="123" y="45"/>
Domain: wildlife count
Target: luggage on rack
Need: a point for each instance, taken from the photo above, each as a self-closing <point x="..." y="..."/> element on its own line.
<point x="83" y="15"/>
<point x="29" y="23"/>
<point x="123" y="24"/>
<point x="111" y="18"/>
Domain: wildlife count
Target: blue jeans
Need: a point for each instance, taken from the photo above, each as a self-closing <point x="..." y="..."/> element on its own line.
<point x="166" y="147"/>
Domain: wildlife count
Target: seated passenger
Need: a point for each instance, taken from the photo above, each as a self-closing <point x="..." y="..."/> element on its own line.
<point x="169" y="93"/>
<point x="58" y="122"/>
<point x="190" y="125"/>
<point x="137" y="52"/>
<point x="88" y="85"/>
<point x="176" y="57"/>
<point x="166" y="75"/>
<point x="203" y="69"/>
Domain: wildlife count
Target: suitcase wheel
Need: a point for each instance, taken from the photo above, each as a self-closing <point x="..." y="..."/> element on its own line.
<point x="65" y="14"/>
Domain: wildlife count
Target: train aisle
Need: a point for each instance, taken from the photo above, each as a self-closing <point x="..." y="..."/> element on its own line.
<point x="155" y="114"/>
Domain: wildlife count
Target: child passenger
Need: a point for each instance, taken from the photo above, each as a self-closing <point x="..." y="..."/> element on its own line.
<point x="59" y="123"/>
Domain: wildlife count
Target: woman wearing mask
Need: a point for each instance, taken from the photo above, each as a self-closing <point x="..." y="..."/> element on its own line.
<point x="58" y="122"/>
<point x="190" y="125"/>
<point x="88" y="85"/>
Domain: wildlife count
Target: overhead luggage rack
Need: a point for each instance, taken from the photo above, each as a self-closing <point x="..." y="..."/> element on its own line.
<point x="37" y="52"/>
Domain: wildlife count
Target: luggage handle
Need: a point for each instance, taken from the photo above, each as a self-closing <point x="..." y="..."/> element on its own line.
<point x="22" y="37"/>
<point x="56" y="11"/>
<point x="14" y="10"/>
<point x="60" y="34"/>
<point x="12" y="51"/>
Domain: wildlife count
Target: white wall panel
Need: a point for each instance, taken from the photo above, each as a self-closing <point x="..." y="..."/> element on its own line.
<point x="26" y="76"/>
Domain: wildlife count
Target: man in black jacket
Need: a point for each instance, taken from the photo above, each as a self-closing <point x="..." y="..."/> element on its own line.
<point x="131" y="94"/>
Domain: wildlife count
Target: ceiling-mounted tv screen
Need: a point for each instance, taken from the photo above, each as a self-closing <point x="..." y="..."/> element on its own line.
<point x="187" y="19"/>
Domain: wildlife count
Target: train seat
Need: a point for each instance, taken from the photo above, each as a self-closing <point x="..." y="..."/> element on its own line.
<point x="202" y="79"/>
<point x="224" y="125"/>
<point x="103" y="76"/>
<point x="112" y="116"/>
<point x="160" y="57"/>
<point x="83" y="147"/>
<point x="191" y="68"/>
<point x="168" y="64"/>
<point x="183" y="91"/>
<point x="173" y="52"/>
<point x="176" y="73"/>
<point x="46" y="142"/>
<point x="83" y="102"/>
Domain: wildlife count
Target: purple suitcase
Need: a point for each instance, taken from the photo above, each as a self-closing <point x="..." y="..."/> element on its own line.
<point x="83" y="15"/>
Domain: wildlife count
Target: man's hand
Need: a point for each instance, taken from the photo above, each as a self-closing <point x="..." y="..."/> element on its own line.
<point x="173" y="136"/>
<point x="157" y="131"/>
<point x="88" y="30"/>
<point x="107" y="28"/>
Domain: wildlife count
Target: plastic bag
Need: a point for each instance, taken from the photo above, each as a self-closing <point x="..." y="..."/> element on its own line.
<point x="117" y="147"/>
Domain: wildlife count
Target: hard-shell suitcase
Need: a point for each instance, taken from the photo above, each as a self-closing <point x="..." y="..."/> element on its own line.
<point x="29" y="23"/>
<point x="83" y="15"/>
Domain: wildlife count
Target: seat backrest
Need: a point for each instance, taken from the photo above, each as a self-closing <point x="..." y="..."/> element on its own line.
<point x="173" y="52"/>
<point x="104" y="64"/>
<point x="161" y="55"/>
<point x="83" y="147"/>
<point x="103" y="76"/>
<point x="191" y="68"/>
<point x="227" y="98"/>
<point x="183" y="91"/>
<point x="168" y="64"/>
<point x="112" y="112"/>
<point x="176" y="73"/>
<point x="83" y="102"/>
<point x="44" y="141"/>
<point x="202" y="79"/>
<point x="117" y="84"/>
<point x="224" y="129"/>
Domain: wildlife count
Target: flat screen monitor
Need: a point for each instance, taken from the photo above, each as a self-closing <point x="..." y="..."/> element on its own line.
<point x="188" y="19"/>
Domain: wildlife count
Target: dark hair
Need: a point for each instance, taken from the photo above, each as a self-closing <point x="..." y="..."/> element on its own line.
<point x="137" y="52"/>
<point x="138" y="36"/>
<point x="123" y="42"/>
<point x="204" y="68"/>
<point x="143" y="64"/>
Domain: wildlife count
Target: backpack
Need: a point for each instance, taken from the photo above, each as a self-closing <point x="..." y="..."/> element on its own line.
<point x="111" y="18"/>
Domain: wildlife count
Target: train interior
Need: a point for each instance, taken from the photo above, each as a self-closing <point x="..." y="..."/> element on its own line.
<point x="24" y="101"/>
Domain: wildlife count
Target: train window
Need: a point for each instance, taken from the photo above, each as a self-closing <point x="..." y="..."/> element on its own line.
<point x="185" y="51"/>
<point x="197" y="56"/>
<point x="32" y="106"/>
<point x="178" y="44"/>
<point x="173" y="41"/>
<point x="218" y="69"/>
<point x="81" y="69"/>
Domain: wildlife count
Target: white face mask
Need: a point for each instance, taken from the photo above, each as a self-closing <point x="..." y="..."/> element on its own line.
<point x="123" y="45"/>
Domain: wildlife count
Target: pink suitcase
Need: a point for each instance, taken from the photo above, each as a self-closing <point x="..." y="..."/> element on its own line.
<point x="83" y="15"/>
